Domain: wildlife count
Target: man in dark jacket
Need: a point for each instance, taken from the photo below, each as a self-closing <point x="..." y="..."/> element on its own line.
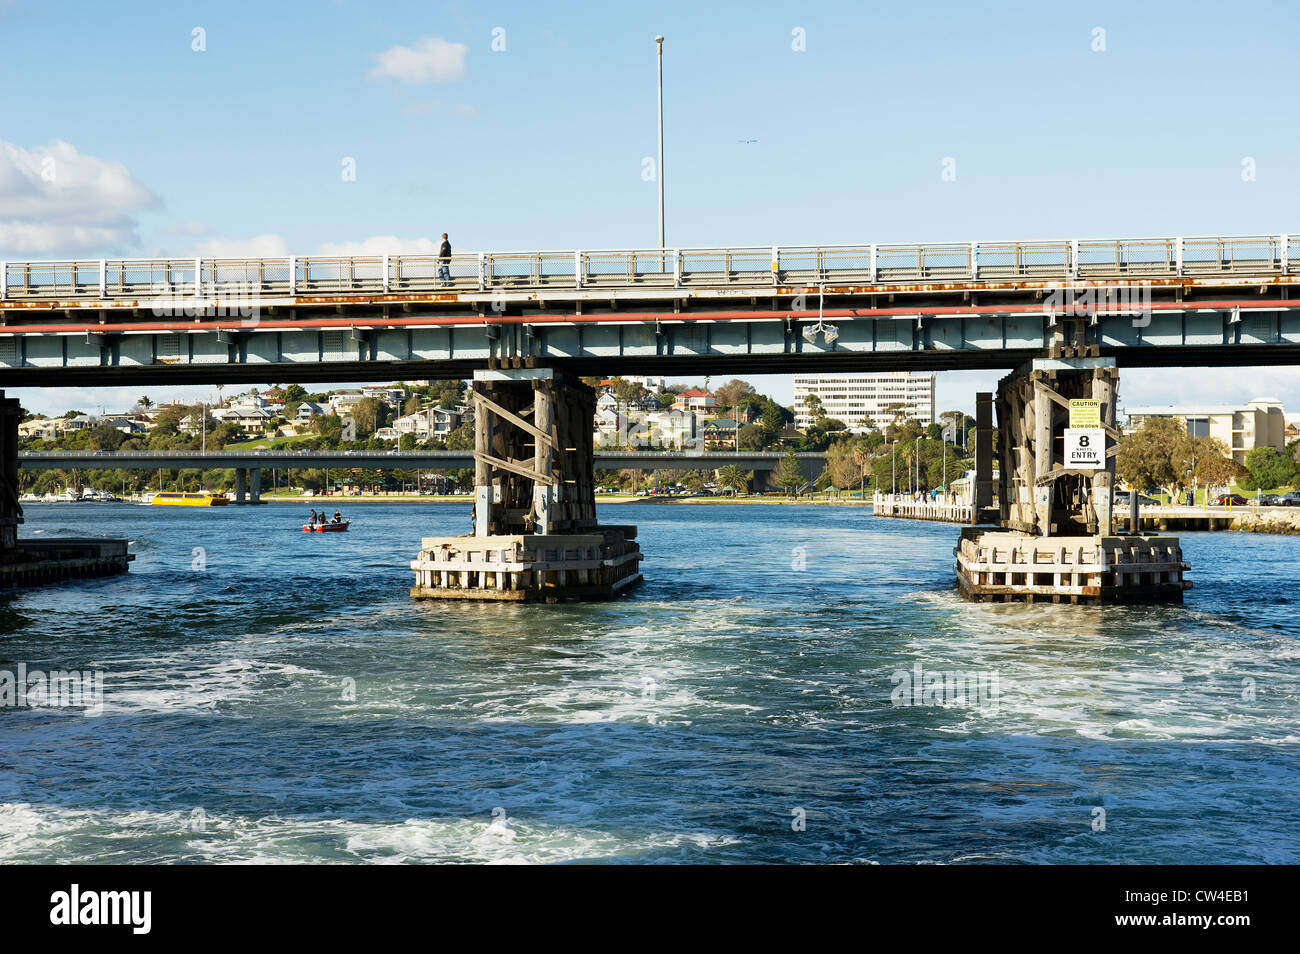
<point x="444" y="261"/>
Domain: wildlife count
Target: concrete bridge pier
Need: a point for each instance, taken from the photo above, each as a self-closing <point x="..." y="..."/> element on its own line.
<point x="248" y="485"/>
<point x="535" y="537"/>
<point x="1057" y="443"/>
<point x="11" y="512"/>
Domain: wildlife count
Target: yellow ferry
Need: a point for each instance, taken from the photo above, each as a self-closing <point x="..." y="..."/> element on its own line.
<point x="201" y="499"/>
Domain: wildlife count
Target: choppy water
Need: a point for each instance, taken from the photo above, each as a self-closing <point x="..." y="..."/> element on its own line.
<point x="691" y="721"/>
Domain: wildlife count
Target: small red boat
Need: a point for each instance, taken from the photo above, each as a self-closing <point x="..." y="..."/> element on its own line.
<point x="326" y="527"/>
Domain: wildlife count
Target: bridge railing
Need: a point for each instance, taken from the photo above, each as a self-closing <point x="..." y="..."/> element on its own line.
<point x="748" y="266"/>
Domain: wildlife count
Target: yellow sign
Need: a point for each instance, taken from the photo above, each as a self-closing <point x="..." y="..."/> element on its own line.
<point x="1085" y="413"/>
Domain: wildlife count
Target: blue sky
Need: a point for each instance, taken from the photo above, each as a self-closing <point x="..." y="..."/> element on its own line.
<point x="238" y="148"/>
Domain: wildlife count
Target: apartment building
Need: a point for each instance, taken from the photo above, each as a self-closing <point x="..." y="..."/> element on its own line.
<point x="863" y="401"/>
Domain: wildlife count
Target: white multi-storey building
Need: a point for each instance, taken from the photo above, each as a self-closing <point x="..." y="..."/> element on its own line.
<point x="863" y="401"/>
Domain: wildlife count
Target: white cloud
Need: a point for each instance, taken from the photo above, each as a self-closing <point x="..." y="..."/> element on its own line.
<point x="56" y="200"/>
<point x="259" y="246"/>
<point x="192" y="228"/>
<point x="1139" y="387"/>
<point x="433" y="60"/>
<point x="383" y="244"/>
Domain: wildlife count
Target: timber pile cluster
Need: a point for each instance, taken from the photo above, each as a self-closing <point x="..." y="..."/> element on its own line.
<point x="535" y="536"/>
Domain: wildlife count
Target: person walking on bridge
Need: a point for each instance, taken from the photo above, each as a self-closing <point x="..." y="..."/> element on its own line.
<point x="444" y="261"/>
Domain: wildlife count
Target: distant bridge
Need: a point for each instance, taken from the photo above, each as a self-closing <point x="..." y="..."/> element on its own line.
<point x="1207" y="300"/>
<point x="248" y="465"/>
<point x="386" y="460"/>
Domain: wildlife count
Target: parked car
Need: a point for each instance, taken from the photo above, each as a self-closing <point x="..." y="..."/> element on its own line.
<point x="1223" y="500"/>
<point x="1122" y="500"/>
<point x="1291" y="499"/>
<point x="1269" y="500"/>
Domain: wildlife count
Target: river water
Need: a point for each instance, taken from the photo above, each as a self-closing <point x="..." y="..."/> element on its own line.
<point x="270" y="695"/>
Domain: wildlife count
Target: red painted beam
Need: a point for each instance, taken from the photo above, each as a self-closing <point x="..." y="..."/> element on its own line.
<point x="344" y="324"/>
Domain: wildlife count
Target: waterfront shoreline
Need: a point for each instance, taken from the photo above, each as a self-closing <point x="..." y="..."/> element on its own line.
<point x="410" y="498"/>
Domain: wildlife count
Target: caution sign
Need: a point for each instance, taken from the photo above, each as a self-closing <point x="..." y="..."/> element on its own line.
<point x="1085" y="447"/>
<point x="1084" y="413"/>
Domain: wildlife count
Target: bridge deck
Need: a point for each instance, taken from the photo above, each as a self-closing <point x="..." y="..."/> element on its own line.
<point x="1177" y="301"/>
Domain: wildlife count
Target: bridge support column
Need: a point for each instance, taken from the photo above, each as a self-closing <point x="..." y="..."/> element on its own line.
<point x="241" y="484"/>
<point x="11" y="512"/>
<point x="255" y="485"/>
<point x="535" y="536"/>
<point x="1056" y="453"/>
<point x="982" y="503"/>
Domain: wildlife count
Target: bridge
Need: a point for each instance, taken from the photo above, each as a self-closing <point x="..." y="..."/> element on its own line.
<point x="248" y="465"/>
<point x="1170" y="301"/>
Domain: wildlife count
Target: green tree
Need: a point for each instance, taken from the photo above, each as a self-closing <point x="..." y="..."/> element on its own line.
<point x="370" y="414"/>
<point x="774" y="417"/>
<point x="753" y="437"/>
<point x="1146" y="457"/>
<point x="844" y="467"/>
<point x="104" y="437"/>
<point x="627" y="392"/>
<point x="462" y="438"/>
<point x="734" y="478"/>
<point x="788" y="473"/>
<point x="1269" y="469"/>
<point x="329" y="427"/>
<point x="735" y="393"/>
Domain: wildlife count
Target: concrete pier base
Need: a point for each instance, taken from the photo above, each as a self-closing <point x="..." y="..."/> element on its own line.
<point x="69" y="558"/>
<point x="595" y="565"/>
<point x="37" y="562"/>
<point x="1007" y="566"/>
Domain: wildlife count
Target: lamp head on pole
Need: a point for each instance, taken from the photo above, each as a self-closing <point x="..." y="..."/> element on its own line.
<point x="660" y="41"/>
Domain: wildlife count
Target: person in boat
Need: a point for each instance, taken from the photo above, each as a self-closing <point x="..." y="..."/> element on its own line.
<point x="338" y="517"/>
<point x="312" y="522"/>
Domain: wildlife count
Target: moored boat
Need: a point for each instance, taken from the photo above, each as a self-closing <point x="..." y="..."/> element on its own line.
<point x="203" y="498"/>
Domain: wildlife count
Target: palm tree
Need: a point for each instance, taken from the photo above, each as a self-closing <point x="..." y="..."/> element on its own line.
<point x="908" y="452"/>
<point x="144" y="402"/>
<point x="734" y="478"/>
<point x="860" y="460"/>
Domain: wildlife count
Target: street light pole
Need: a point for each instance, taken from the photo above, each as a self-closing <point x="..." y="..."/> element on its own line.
<point x="659" y="171"/>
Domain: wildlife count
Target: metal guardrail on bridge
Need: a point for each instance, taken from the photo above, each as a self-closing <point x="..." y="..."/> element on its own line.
<point x="747" y="266"/>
